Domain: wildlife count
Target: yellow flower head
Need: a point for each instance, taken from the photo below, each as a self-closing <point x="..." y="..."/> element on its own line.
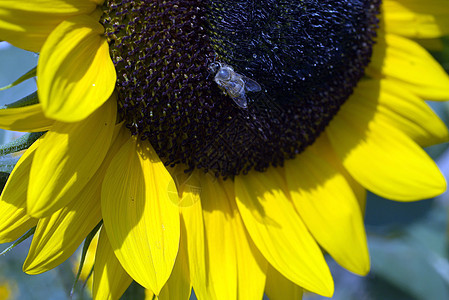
<point x="224" y="144"/>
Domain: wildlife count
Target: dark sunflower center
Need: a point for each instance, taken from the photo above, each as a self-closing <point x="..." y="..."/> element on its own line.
<point x="306" y="56"/>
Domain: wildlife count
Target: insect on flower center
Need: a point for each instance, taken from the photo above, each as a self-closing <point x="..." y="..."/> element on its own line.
<point x="230" y="86"/>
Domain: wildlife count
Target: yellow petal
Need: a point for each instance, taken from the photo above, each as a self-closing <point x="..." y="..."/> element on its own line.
<point x="381" y="157"/>
<point x="186" y="189"/>
<point x="280" y="288"/>
<point x="193" y="229"/>
<point x="58" y="236"/>
<point x="141" y="221"/>
<point x="178" y="286"/>
<point x="14" y="221"/>
<point x="67" y="159"/>
<point x="278" y="231"/>
<point x="220" y="243"/>
<point x="75" y="74"/>
<point x="89" y="260"/>
<point x="27" y="24"/>
<point x="29" y="118"/>
<point x="435" y="44"/>
<point x="110" y="279"/>
<point x="416" y="18"/>
<point x="323" y="147"/>
<point x="404" y="62"/>
<point x="402" y="109"/>
<point x="328" y="206"/>
<point x="234" y="267"/>
<point x="228" y="243"/>
<point x="149" y="295"/>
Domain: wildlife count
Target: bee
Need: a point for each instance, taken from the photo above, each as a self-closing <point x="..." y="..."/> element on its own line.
<point x="235" y="85"/>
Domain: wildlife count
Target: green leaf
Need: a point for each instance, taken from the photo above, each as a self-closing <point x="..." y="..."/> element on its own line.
<point x="30" y="74"/>
<point x="21" y="143"/>
<point x="7" y="163"/>
<point x="8" y="159"/>
<point x="19" y="241"/>
<point x="3" y="178"/>
<point x="25" y="101"/>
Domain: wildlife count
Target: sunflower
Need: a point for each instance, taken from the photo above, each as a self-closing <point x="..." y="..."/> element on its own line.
<point x="234" y="188"/>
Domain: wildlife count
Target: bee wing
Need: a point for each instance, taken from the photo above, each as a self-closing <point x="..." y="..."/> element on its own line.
<point x="251" y="85"/>
<point x="241" y="101"/>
